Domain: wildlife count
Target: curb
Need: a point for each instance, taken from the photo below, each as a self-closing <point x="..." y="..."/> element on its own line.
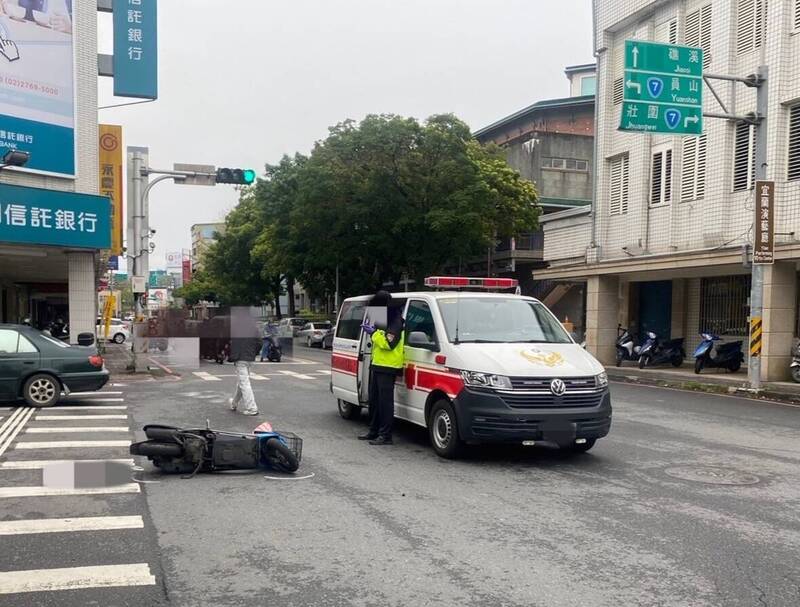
<point x="708" y="388"/>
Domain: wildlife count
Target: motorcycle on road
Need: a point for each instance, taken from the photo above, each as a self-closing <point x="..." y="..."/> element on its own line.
<point x="727" y="356"/>
<point x="656" y="352"/>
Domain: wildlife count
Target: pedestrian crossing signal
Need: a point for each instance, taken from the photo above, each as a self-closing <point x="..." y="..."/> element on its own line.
<point x="236" y="176"/>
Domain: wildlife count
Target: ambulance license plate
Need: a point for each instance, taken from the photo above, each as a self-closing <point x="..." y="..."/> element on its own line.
<point x="559" y="431"/>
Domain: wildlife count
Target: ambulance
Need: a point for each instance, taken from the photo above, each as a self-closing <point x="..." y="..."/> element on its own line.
<point x="481" y="366"/>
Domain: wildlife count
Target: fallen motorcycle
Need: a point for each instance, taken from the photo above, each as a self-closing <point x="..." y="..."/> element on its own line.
<point x="191" y="450"/>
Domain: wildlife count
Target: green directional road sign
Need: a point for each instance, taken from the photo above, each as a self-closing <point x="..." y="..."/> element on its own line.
<point x="663" y="89"/>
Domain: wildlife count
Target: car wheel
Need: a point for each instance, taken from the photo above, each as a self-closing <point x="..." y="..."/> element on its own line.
<point x="698" y="364"/>
<point x="42" y="390"/>
<point x="443" y="430"/>
<point x="583" y="447"/>
<point x="348" y="410"/>
<point x="119" y="338"/>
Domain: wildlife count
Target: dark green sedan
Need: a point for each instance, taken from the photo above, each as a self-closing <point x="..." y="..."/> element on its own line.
<point x="38" y="368"/>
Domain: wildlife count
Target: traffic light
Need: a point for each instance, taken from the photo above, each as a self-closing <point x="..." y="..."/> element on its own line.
<point x="237" y="176"/>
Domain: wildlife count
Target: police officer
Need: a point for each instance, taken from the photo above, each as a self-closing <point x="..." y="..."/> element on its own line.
<point x="387" y="364"/>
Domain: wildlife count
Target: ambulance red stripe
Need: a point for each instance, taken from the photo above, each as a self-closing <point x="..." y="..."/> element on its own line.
<point x="342" y="363"/>
<point x="428" y="380"/>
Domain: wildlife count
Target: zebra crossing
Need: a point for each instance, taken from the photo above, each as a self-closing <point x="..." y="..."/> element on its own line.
<point x="257" y="376"/>
<point x="87" y="523"/>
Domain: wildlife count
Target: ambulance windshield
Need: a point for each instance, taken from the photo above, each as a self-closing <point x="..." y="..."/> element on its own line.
<point x="500" y="320"/>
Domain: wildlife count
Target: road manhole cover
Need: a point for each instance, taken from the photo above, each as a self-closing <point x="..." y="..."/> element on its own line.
<point x="712" y="476"/>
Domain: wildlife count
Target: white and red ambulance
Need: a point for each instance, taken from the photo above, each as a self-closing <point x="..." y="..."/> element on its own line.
<point x="480" y="366"/>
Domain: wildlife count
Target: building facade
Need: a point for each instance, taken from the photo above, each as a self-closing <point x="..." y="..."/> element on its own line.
<point x="203" y="234"/>
<point x="665" y="247"/>
<point x="51" y="221"/>
<point x="550" y="143"/>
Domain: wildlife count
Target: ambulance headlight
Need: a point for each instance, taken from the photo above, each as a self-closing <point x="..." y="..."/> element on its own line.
<point x="601" y="380"/>
<point x="486" y="380"/>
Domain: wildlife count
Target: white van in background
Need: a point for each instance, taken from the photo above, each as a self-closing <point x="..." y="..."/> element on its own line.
<point x="479" y="367"/>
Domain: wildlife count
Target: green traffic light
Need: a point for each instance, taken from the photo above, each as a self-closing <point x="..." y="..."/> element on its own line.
<point x="248" y="176"/>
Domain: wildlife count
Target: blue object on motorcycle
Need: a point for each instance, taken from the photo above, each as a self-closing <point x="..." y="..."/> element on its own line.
<point x="702" y="348"/>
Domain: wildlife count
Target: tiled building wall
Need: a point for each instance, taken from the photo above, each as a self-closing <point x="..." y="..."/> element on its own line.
<point x="721" y="217"/>
<point x="566" y="239"/>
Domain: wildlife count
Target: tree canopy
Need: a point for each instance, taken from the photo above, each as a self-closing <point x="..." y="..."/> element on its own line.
<point x="382" y="198"/>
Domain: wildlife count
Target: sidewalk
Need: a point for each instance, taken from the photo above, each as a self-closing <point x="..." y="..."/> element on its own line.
<point x="711" y="380"/>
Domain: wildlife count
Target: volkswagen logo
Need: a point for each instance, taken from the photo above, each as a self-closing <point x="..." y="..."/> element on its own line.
<point x="558" y="387"/>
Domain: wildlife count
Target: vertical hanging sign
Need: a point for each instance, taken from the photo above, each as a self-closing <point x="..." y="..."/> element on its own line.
<point x="135" y="49"/>
<point x="111" y="179"/>
<point x="764" y="223"/>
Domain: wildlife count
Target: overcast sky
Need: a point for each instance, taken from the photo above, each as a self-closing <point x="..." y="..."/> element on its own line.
<point x="242" y="82"/>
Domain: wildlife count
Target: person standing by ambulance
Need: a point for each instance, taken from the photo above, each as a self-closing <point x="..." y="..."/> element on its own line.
<point x="387" y="363"/>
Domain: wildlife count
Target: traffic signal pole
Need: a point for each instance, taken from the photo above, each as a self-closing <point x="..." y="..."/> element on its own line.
<point x="138" y="251"/>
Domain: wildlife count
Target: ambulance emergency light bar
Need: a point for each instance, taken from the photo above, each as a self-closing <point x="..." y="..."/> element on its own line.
<point x="442" y="282"/>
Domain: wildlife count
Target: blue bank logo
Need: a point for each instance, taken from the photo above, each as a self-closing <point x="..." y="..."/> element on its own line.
<point x="672" y="117"/>
<point x="655" y="86"/>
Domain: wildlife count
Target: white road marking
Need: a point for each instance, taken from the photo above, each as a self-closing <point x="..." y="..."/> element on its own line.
<point x="6" y="492"/>
<point x="256" y="376"/>
<point x="102" y="400"/>
<point x="297" y="375"/>
<point x="76" y="429"/>
<point x="103" y="393"/>
<point x="65" y="444"/>
<point x="324" y="371"/>
<point x="58" y="418"/>
<point x="89" y="408"/>
<point x="12" y="431"/>
<point x="35" y="464"/>
<point x="71" y="578"/>
<point x="60" y="525"/>
<point x="206" y="376"/>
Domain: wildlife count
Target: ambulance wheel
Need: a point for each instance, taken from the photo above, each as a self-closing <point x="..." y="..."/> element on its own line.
<point x="348" y="410"/>
<point x="443" y="430"/>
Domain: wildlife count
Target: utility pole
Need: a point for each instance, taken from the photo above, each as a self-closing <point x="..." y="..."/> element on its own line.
<point x="757" y="278"/>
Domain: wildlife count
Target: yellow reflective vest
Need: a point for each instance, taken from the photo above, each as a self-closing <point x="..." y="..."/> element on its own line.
<point x="385" y="353"/>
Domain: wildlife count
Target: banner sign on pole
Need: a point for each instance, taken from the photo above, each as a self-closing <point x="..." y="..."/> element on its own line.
<point x="111" y="179"/>
<point x="764" y="223"/>
<point x="37" y="107"/>
<point x="135" y="49"/>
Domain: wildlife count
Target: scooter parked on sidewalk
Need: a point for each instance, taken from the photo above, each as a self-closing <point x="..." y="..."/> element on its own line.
<point x="794" y="367"/>
<point x="656" y="352"/>
<point x="727" y="356"/>
<point x="626" y="347"/>
<point x="192" y="450"/>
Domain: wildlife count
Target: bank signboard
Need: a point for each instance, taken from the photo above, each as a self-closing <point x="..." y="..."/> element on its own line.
<point x="37" y="92"/>
<point x="51" y="217"/>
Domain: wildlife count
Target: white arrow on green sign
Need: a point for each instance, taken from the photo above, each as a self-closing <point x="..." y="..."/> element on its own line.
<point x="662" y="88"/>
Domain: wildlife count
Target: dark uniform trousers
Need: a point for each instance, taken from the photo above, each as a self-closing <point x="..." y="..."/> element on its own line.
<point x="381" y="401"/>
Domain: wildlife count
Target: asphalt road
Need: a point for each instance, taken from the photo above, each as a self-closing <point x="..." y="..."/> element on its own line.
<point x="642" y="519"/>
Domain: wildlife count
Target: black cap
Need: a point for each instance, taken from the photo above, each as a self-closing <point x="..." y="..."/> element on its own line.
<point x="381" y="298"/>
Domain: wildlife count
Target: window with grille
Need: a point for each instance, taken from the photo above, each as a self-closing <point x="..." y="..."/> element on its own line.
<point x="744" y="161"/>
<point x="667" y="32"/>
<point x="618" y="185"/>
<point x="796" y="15"/>
<point x="751" y="19"/>
<point x="794" y="141"/>
<point x="661" y="177"/>
<point x="618" y="59"/>
<point x="698" y="31"/>
<point x="724" y="305"/>
<point x="693" y="168"/>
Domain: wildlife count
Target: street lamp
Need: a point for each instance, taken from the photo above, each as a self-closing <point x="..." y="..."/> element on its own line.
<point x="14" y="158"/>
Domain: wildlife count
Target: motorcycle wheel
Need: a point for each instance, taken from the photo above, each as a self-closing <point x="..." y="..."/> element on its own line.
<point x="153" y="448"/>
<point x="619" y="358"/>
<point x="643" y="361"/>
<point x="796" y="374"/>
<point x="280" y="456"/>
<point x="734" y="366"/>
<point x="676" y="361"/>
<point x="698" y="364"/>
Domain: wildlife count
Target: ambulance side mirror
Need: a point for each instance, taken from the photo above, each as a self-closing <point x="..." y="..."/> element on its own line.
<point x="418" y="339"/>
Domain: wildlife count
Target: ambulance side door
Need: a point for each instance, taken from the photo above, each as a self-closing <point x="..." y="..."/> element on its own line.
<point x="345" y="351"/>
<point x="418" y="319"/>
